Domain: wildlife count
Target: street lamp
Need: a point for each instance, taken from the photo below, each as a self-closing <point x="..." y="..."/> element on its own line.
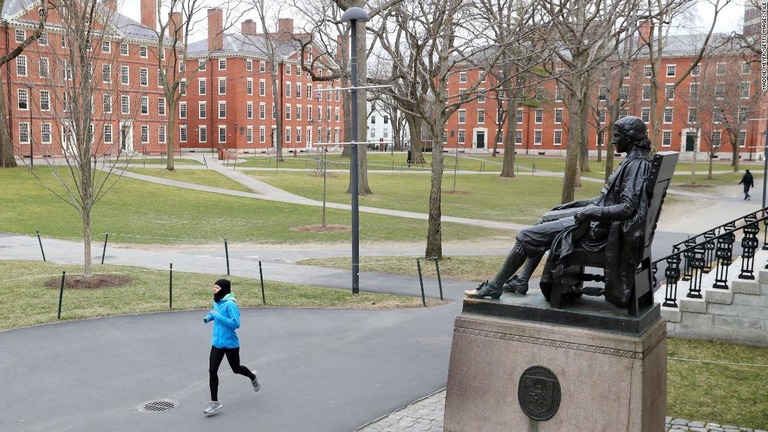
<point x="353" y="15"/>
<point x="31" y="141"/>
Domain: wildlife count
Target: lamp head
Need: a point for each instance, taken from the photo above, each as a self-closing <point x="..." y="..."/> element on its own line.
<point x="354" y="14"/>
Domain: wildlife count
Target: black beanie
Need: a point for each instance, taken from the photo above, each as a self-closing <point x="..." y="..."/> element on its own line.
<point x="226" y="288"/>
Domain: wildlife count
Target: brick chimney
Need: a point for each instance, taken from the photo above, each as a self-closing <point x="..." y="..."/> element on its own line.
<point x="249" y="27"/>
<point x="149" y="13"/>
<point x="110" y="4"/>
<point x="215" y="29"/>
<point x="176" y="26"/>
<point x="284" y="28"/>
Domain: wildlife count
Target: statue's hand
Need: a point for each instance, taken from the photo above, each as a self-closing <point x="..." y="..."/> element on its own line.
<point x="589" y="213"/>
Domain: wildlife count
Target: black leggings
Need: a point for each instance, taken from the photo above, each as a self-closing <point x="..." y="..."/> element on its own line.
<point x="214" y="361"/>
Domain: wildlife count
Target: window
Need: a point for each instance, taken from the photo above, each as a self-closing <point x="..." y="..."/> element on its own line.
<point x="336" y="114"/>
<point x="201" y="87"/>
<point x="309" y="91"/>
<point x="143" y="77"/>
<point x="645" y="114"/>
<point x="557" y="139"/>
<point x="287" y="69"/>
<point x="202" y="134"/>
<point x="249" y="134"/>
<point x="222" y="86"/>
<point x="262" y="88"/>
<point x="462" y="116"/>
<point x="719" y="90"/>
<point x="696" y="71"/>
<point x="143" y="52"/>
<point x="720" y="69"/>
<point x="481" y="97"/>
<point x="45" y="133"/>
<point x="309" y="112"/>
<point x="716" y="136"/>
<point x="43" y="39"/>
<point x="298" y="90"/>
<point x="667" y="115"/>
<point x="249" y="86"/>
<point x="519" y="118"/>
<point x="249" y="65"/>
<point x="601" y="115"/>
<point x="746" y="67"/>
<point x="67" y="70"/>
<point x="602" y="93"/>
<point x="222" y="110"/>
<point x="183" y="87"/>
<point x="23" y="99"/>
<point x="21" y="65"/>
<point x="518" y="137"/>
<point x="287" y="134"/>
<point x="108" y="133"/>
<point x="744" y="88"/>
<point x="161" y="106"/>
<point x="538" y="116"/>
<point x="288" y="112"/>
<point x="21" y="35"/>
<point x="106" y="103"/>
<point x="106" y="73"/>
<point x="182" y="110"/>
<point x="298" y="129"/>
<point x="647" y="71"/>
<point x="741" y="141"/>
<point x="743" y="114"/>
<point x="24" y="133"/>
<point x="183" y="133"/>
<point x="161" y="134"/>
<point x="125" y="104"/>
<point x="222" y="64"/>
<point x="144" y="105"/>
<point x="45" y="67"/>
<point x="558" y="94"/>
<point x="693" y="115"/>
<point x="262" y="134"/>
<point x="669" y="91"/>
<point x="144" y="134"/>
<point x="480" y="116"/>
<point x="287" y="89"/>
<point x="160" y="77"/>
<point x="262" y="68"/>
<point x="249" y="110"/>
<point x="671" y="70"/>
<point x="461" y="136"/>
<point x="45" y="100"/>
<point x="222" y="134"/>
<point x="693" y="92"/>
<point x="558" y="115"/>
<point x="537" y="137"/>
<point x="646" y="91"/>
<point x="123" y="49"/>
<point x="106" y="47"/>
<point x="462" y="78"/>
<point x="124" y="75"/>
<point x="298" y="112"/>
<point x="624" y="92"/>
<point x="666" y="138"/>
<point x="262" y="110"/>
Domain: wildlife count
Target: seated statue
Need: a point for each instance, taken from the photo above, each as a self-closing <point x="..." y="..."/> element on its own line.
<point x="611" y="223"/>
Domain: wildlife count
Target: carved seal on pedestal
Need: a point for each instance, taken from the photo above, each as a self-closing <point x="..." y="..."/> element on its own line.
<point x="538" y="393"/>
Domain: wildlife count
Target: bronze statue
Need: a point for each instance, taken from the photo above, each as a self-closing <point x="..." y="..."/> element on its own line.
<point x="612" y="222"/>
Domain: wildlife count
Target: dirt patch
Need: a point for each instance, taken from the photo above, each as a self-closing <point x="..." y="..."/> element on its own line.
<point x="457" y="192"/>
<point x="320" y="228"/>
<point x="94" y="282"/>
<point x="693" y="185"/>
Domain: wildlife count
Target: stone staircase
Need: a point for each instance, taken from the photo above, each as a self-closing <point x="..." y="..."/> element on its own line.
<point x="737" y="314"/>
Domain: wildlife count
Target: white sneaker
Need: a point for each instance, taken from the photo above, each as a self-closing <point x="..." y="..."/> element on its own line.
<point x="212" y="408"/>
<point x="256" y="382"/>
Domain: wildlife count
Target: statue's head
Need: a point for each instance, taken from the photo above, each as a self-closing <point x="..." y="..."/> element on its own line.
<point x="630" y="132"/>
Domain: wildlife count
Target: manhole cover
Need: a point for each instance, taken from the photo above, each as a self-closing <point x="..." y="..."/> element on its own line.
<point x="158" y="406"/>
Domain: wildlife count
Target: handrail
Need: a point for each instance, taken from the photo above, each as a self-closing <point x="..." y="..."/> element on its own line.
<point x="716" y="245"/>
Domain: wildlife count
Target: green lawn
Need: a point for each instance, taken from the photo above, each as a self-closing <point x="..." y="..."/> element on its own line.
<point x="194" y="176"/>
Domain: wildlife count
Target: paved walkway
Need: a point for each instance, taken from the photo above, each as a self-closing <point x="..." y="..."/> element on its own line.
<point x="322" y="370"/>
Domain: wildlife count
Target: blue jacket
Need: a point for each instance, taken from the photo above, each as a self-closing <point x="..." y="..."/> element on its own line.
<point x="226" y="319"/>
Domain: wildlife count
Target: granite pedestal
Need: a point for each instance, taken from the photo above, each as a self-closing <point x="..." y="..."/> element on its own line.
<point x="606" y="370"/>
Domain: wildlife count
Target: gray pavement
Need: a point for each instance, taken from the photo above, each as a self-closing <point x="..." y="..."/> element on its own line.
<point x="322" y="370"/>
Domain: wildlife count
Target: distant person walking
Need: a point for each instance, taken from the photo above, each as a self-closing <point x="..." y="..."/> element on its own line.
<point x="748" y="183"/>
<point x="226" y="320"/>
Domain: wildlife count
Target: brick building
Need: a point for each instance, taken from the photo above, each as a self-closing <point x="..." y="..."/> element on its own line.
<point x="228" y="102"/>
<point x="719" y="97"/>
<point x="128" y="104"/>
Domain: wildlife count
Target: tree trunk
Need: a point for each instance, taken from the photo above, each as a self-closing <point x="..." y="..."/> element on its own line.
<point x="6" y="145"/>
<point x="170" y="134"/>
<point x="414" y="128"/>
<point x="434" y="231"/>
<point x="508" y="165"/>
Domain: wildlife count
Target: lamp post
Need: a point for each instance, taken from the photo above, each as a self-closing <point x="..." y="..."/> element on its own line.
<point x="31" y="141"/>
<point x="353" y="15"/>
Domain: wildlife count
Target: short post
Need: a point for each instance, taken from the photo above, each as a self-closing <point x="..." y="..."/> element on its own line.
<point x="40" y="241"/>
<point x="261" y="278"/>
<point x="61" y="293"/>
<point x="226" y="253"/>
<point x="104" y="251"/>
<point x="170" y="288"/>
<point x="439" y="281"/>
<point x="421" y="282"/>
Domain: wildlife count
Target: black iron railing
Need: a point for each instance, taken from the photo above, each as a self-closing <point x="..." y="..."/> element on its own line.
<point x="713" y="250"/>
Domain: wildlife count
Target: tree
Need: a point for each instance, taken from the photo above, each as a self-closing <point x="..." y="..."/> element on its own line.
<point x="87" y="126"/>
<point x="7" y="159"/>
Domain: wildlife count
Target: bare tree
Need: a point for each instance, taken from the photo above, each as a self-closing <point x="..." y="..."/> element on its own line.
<point x="7" y="159"/>
<point x="71" y="92"/>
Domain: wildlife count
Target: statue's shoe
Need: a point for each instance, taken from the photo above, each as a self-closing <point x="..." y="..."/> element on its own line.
<point x="484" y="290"/>
<point x="515" y="285"/>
